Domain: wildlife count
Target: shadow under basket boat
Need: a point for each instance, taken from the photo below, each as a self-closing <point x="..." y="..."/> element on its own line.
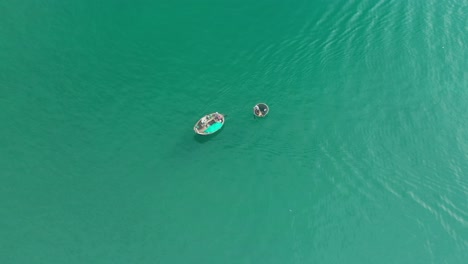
<point x="261" y="110"/>
<point x="209" y="124"/>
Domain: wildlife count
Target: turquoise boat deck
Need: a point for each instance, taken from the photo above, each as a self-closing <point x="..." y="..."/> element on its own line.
<point x="214" y="127"/>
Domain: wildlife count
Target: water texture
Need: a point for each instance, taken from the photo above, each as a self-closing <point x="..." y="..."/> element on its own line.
<point x="363" y="157"/>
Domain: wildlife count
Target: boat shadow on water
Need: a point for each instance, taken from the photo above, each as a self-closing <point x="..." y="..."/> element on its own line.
<point x="203" y="139"/>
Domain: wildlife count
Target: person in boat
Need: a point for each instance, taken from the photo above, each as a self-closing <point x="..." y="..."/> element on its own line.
<point x="257" y="110"/>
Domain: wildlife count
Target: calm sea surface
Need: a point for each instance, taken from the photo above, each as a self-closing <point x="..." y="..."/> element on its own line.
<point x="362" y="159"/>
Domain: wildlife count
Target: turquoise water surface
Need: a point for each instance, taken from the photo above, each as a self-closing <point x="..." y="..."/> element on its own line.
<point x="363" y="157"/>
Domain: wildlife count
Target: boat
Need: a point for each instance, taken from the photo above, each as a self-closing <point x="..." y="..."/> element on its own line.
<point x="261" y="110"/>
<point x="209" y="124"/>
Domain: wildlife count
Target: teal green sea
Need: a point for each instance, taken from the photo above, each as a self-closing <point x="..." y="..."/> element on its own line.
<point x="363" y="157"/>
